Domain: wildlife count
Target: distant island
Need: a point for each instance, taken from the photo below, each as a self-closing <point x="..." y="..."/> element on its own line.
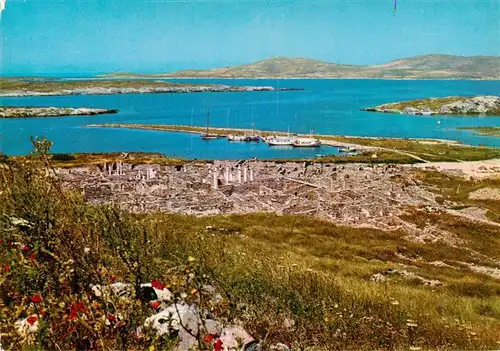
<point x="418" y="67"/>
<point x="16" y="87"/>
<point x="25" y="112"/>
<point x="454" y="105"/>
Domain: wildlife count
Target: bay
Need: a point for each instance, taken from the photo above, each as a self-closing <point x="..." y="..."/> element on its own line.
<point x="325" y="106"/>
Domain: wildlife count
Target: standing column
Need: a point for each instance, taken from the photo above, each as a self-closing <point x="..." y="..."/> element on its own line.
<point x="215" y="184"/>
<point x="251" y="174"/>
<point x="239" y="174"/>
<point x="226" y="176"/>
<point x="245" y="175"/>
<point x="110" y="168"/>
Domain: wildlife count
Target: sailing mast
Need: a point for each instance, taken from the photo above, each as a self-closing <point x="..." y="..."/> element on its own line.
<point x="208" y="119"/>
<point x="207" y="135"/>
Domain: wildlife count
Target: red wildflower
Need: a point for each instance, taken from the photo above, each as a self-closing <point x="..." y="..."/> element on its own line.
<point x="75" y="310"/>
<point x="157" y="285"/>
<point x="1" y="241"/>
<point x="155" y="304"/>
<point x="36" y="299"/>
<point x="26" y="248"/>
<point x="208" y="338"/>
<point x="113" y="278"/>
<point x="33" y="256"/>
<point x="6" y="268"/>
<point x="111" y="317"/>
<point x="32" y="319"/>
<point x="9" y="243"/>
<point x="218" y="345"/>
<point x="120" y="324"/>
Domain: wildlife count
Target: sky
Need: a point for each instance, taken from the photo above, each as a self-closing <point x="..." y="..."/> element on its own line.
<point x="40" y="37"/>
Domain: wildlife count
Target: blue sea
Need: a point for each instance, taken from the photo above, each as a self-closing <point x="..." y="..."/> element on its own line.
<point x="325" y="106"/>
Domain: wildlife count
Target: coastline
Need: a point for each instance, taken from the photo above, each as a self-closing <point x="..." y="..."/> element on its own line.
<point x="373" y="149"/>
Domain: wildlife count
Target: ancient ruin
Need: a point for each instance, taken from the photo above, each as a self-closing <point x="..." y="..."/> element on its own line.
<point x="354" y="195"/>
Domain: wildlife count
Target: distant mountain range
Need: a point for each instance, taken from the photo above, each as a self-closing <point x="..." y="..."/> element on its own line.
<point x="418" y="67"/>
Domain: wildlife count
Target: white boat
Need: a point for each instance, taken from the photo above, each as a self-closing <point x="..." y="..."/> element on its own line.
<point x="280" y="141"/>
<point x="231" y="137"/>
<point x="306" y="142"/>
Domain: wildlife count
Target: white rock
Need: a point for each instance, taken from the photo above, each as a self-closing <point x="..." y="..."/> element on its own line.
<point x="24" y="328"/>
<point x="233" y="337"/>
<point x="279" y="347"/>
<point x="163" y="295"/>
<point x="184" y="319"/>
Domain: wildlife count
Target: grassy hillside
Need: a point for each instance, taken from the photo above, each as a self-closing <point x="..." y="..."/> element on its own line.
<point x="428" y="66"/>
<point x="270" y="270"/>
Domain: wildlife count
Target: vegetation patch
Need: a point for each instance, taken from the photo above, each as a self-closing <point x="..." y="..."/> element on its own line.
<point x="483" y="131"/>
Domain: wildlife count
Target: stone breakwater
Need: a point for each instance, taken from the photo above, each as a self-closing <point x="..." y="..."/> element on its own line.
<point x="23" y="112"/>
<point x="484" y="105"/>
<point x="139" y="90"/>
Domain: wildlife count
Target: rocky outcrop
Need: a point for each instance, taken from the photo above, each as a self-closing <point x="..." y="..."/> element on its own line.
<point x="478" y="105"/>
<point x="385" y="275"/>
<point x="24" y="112"/>
<point x="139" y="90"/>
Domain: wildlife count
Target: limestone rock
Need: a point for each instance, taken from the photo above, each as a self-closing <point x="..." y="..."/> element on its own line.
<point x="184" y="320"/>
<point x="235" y="338"/>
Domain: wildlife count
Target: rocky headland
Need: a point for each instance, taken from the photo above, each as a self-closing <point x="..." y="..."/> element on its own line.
<point x="478" y="105"/>
<point x="23" y="112"/>
<point x="19" y="88"/>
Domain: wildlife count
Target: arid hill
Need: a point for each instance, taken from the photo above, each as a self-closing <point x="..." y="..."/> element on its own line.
<point x="418" y="67"/>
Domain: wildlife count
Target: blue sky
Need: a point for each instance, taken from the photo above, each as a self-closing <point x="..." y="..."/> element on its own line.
<point x="63" y="36"/>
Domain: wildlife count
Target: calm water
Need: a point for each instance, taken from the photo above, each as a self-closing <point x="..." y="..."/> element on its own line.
<point x="326" y="107"/>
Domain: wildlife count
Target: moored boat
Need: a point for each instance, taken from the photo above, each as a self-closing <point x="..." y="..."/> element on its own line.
<point x="306" y="142"/>
<point x="207" y="135"/>
<point x="238" y="138"/>
<point x="253" y="137"/>
<point x="280" y="141"/>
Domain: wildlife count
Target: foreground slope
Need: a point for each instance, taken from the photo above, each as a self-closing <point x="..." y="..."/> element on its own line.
<point x="294" y="280"/>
